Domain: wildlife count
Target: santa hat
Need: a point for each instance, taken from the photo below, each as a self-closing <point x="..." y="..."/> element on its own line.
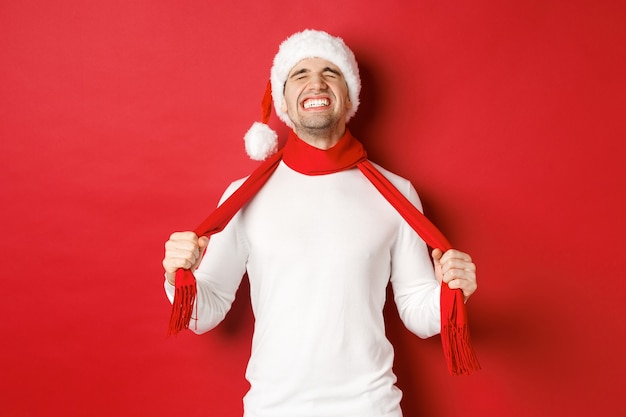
<point x="261" y="141"/>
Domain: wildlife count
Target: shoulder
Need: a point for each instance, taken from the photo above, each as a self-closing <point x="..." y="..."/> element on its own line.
<point x="232" y="188"/>
<point x="395" y="179"/>
<point x="402" y="184"/>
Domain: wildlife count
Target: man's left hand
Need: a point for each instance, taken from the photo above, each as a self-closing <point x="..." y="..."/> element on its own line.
<point x="456" y="269"/>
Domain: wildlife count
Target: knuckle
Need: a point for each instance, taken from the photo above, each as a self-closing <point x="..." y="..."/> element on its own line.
<point x="182" y="235"/>
<point x="169" y="265"/>
<point x="175" y="235"/>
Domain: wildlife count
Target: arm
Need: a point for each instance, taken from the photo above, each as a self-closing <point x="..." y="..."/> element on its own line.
<point x="218" y="274"/>
<point x="415" y="303"/>
<point x="415" y="287"/>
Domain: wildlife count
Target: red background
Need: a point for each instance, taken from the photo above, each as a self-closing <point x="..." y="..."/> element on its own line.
<point x="121" y="121"/>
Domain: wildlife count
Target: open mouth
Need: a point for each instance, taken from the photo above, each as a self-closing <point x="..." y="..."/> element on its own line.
<point x="316" y="103"/>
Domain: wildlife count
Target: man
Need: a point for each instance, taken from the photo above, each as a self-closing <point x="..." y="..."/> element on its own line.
<point x="320" y="245"/>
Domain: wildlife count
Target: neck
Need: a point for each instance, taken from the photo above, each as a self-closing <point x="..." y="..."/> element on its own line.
<point x="321" y="138"/>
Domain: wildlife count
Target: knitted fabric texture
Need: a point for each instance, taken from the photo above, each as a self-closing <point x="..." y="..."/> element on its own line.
<point x="306" y="159"/>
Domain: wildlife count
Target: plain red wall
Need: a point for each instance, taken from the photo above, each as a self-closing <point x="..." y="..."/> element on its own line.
<point x="121" y="121"/>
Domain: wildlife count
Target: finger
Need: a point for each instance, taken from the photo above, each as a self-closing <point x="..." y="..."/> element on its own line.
<point x="190" y="252"/>
<point x="458" y="274"/>
<point x="463" y="280"/>
<point x="172" y="264"/>
<point x="455" y="264"/>
<point x="437" y="254"/>
<point x="181" y="254"/>
<point x="183" y="236"/>
<point x="177" y="247"/>
<point x="196" y="263"/>
<point x="181" y="242"/>
<point x="467" y="287"/>
<point x="457" y="259"/>
<point x="453" y="254"/>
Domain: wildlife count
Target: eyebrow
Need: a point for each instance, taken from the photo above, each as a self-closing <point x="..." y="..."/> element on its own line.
<point x="307" y="70"/>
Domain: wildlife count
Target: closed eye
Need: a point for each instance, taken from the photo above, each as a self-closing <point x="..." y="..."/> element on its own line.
<point x="331" y="72"/>
<point x="300" y="74"/>
<point x="304" y="72"/>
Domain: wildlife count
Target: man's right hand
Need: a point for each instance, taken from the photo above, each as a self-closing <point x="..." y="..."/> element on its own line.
<point x="183" y="250"/>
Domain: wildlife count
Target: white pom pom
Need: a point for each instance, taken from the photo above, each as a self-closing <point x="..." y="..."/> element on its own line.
<point x="261" y="141"/>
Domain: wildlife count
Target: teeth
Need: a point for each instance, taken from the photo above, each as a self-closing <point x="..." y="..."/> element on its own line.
<point x="321" y="102"/>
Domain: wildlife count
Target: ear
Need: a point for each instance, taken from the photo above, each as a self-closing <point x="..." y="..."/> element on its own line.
<point x="348" y="103"/>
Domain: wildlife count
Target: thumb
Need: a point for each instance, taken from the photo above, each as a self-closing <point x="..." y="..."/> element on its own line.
<point x="203" y="242"/>
<point x="437" y="254"/>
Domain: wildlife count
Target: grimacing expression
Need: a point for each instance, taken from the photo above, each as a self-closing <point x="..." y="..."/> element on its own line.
<point x="316" y="95"/>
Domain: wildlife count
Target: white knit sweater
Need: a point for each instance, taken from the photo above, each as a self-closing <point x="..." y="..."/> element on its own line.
<point x="320" y="252"/>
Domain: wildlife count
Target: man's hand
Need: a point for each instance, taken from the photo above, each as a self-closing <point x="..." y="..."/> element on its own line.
<point x="183" y="250"/>
<point x="456" y="269"/>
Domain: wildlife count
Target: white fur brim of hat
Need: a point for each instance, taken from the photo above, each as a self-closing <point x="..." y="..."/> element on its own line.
<point x="261" y="141"/>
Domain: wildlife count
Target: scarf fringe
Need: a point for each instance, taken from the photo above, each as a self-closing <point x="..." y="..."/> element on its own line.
<point x="184" y="301"/>
<point x="457" y="348"/>
<point x="458" y="351"/>
<point x="185" y="293"/>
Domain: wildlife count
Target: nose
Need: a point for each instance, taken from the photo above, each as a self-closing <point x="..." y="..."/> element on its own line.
<point x="317" y="83"/>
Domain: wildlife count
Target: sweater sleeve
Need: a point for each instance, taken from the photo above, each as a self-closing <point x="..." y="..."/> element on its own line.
<point x="219" y="275"/>
<point x="416" y="290"/>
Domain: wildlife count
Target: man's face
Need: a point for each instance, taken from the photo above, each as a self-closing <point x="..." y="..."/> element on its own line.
<point x="316" y="96"/>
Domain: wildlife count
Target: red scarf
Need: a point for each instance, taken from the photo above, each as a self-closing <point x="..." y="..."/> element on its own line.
<point x="306" y="159"/>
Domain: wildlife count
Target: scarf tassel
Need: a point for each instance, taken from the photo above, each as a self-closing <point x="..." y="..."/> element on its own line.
<point x="184" y="301"/>
<point x="185" y="292"/>
<point x="458" y="351"/>
<point x="455" y="336"/>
